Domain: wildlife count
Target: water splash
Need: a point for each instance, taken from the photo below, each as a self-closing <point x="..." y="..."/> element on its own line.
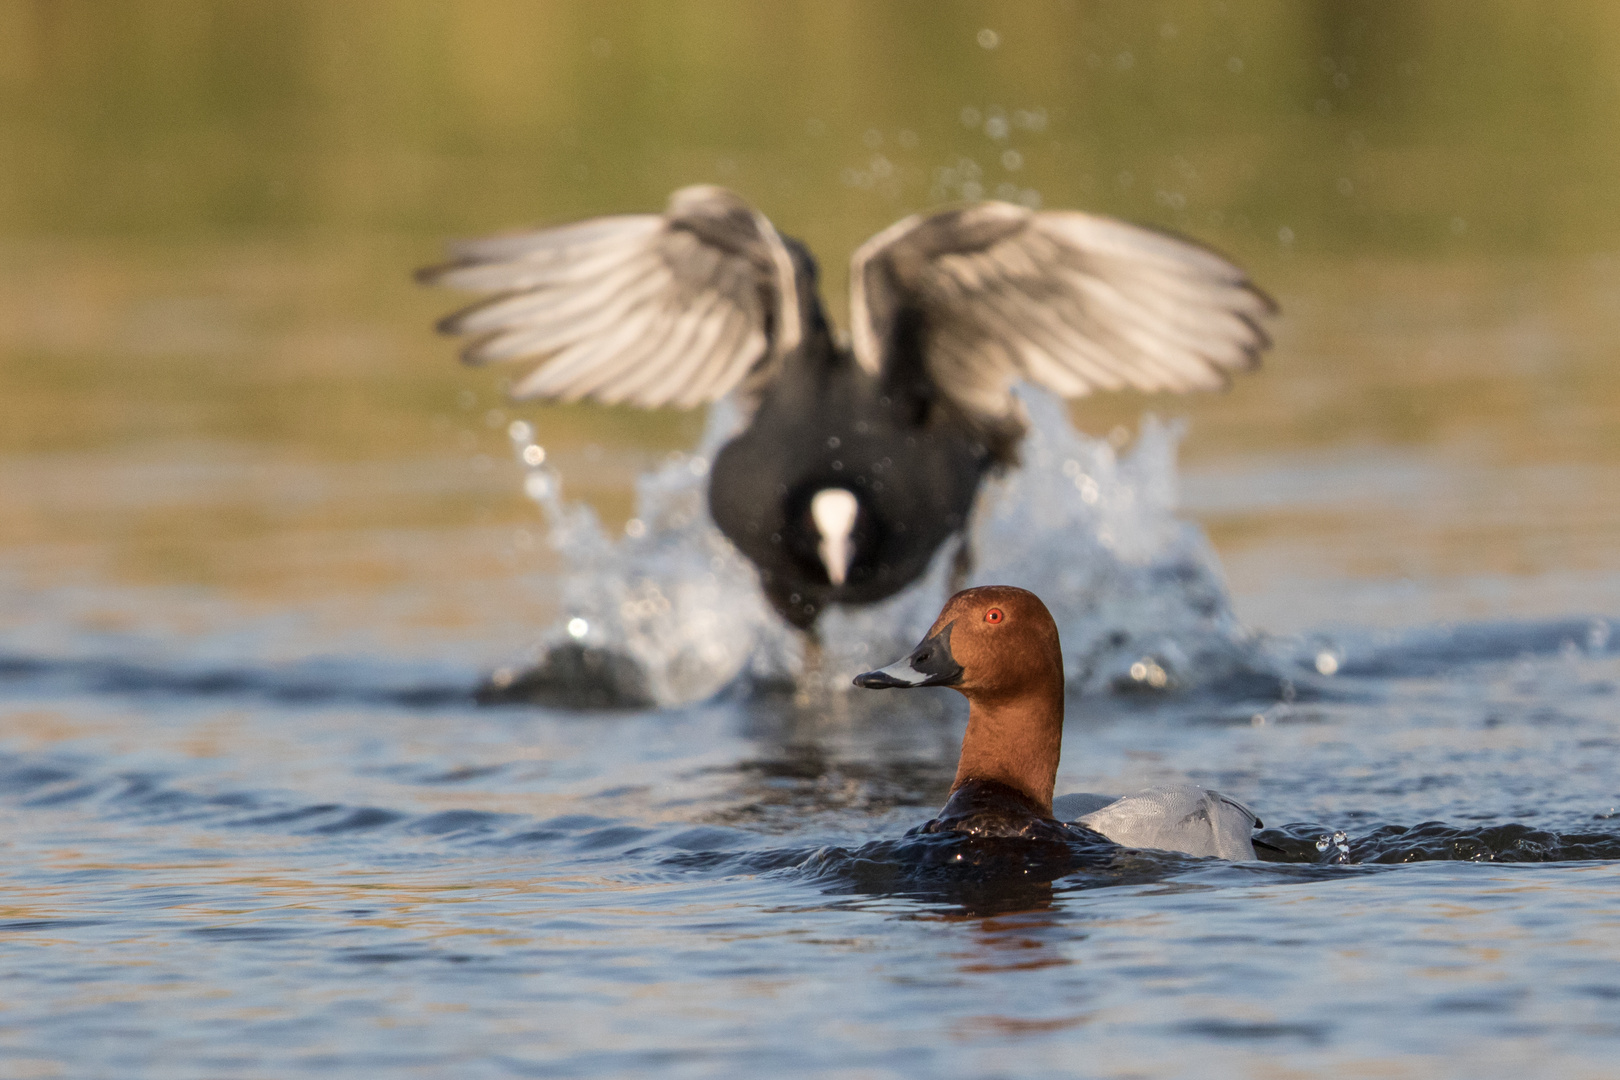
<point x="1136" y="591"/>
<point x="672" y="593"/>
<point x="1334" y="847"/>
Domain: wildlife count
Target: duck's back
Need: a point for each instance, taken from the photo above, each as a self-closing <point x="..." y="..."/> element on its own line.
<point x="1183" y="817"/>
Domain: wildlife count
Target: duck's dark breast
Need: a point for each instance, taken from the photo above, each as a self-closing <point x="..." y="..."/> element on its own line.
<point x="991" y="809"/>
<point x="914" y="475"/>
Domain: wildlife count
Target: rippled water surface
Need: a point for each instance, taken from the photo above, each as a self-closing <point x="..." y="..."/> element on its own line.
<point x="261" y="543"/>
<point x="269" y="871"/>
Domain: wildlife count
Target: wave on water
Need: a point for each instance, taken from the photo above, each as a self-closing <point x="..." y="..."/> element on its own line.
<point x="315" y="683"/>
<point x="1434" y="841"/>
<point x="1354" y="657"/>
<point x="980" y="874"/>
<point x="670" y="612"/>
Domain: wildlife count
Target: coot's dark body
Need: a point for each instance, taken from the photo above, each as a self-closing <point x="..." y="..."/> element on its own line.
<point x="912" y="462"/>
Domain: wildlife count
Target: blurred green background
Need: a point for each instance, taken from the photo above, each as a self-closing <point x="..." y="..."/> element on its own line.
<point x="208" y="212"/>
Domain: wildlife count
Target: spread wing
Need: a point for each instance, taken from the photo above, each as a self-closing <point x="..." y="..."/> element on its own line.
<point x="645" y="309"/>
<point x="993" y="293"/>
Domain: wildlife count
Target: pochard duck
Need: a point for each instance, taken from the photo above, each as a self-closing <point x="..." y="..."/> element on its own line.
<point x="856" y="459"/>
<point x="998" y="647"/>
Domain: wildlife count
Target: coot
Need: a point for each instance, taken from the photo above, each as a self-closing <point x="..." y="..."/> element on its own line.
<point x="857" y="458"/>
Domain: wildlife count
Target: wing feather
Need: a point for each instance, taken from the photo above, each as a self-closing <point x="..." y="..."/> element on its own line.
<point x="577" y="317"/>
<point x="567" y="376"/>
<point x="680" y="350"/>
<point x="719" y="358"/>
<point x="555" y="301"/>
<point x="666" y="382"/>
<point x="677" y="308"/>
<point x="991" y="293"/>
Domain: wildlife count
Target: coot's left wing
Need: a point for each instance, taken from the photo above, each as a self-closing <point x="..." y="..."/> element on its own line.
<point x="992" y="293"/>
<point x="674" y="309"/>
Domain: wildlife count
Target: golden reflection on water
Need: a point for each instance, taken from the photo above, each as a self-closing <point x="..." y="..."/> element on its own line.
<point x="209" y="213"/>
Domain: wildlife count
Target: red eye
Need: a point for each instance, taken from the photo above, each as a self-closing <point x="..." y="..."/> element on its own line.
<point x="994" y="615"/>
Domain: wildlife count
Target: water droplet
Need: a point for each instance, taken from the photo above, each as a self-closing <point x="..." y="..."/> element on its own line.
<point x="1147" y="670"/>
<point x="578" y="628"/>
<point x="534" y="454"/>
<point x="1338" y="843"/>
<point x="519" y="431"/>
<point x="996" y="127"/>
<point x="988" y="39"/>
<point x="635" y="528"/>
<point x="1326" y="662"/>
<point x="1012" y="160"/>
<point x="1234" y="64"/>
<point x="1285" y="235"/>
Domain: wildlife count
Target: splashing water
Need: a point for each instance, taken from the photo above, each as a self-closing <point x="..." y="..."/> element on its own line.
<point x="1136" y="591"/>
<point x="672" y="593"/>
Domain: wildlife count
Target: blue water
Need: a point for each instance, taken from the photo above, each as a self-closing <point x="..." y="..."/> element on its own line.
<point x="253" y="835"/>
<point x="345" y="868"/>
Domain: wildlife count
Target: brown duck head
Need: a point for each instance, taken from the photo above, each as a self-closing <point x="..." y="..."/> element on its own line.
<point x="998" y="647"/>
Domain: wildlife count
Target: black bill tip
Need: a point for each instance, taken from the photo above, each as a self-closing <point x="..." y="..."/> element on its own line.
<point x="880" y="680"/>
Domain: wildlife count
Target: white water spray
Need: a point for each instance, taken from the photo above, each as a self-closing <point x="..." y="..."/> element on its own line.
<point x="1135" y="590"/>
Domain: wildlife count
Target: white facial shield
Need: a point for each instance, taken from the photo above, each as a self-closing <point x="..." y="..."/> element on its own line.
<point x="833" y="510"/>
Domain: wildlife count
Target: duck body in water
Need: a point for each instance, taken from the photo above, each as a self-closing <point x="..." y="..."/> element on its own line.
<point x="998" y="647"/>
<point x="855" y="461"/>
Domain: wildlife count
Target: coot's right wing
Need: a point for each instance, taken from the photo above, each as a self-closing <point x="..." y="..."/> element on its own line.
<point x="992" y="293"/>
<point x="646" y="309"/>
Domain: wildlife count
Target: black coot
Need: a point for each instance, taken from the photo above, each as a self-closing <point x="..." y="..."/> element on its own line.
<point x="857" y="460"/>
